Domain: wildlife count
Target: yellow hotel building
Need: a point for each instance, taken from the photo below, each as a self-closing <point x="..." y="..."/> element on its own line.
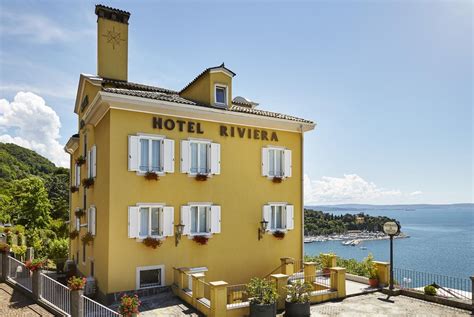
<point x="196" y="171"/>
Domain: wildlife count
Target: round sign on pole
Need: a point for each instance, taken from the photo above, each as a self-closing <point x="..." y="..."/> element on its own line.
<point x="391" y="228"/>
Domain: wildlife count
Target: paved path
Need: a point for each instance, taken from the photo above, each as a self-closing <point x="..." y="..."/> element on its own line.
<point x="14" y="303"/>
<point x="370" y="305"/>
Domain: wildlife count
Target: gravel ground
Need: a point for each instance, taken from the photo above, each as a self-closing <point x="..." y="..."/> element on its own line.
<point x="14" y="303"/>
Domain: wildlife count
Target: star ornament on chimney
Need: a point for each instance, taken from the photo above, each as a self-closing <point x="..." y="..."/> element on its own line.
<point x="113" y="37"/>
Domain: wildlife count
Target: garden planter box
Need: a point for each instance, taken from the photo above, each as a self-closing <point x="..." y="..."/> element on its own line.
<point x="268" y="310"/>
<point x="297" y="309"/>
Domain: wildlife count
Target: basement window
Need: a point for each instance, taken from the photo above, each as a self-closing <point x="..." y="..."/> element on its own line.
<point x="150" y="276"/>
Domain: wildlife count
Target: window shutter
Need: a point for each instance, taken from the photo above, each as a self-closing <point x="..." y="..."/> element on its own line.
<point x="266" y="214"/>
<point x="94" y="161"/>
<point x="89" y="163"/>
<point x="215" y="158"/>
<point x="133" y="144"/>
<point x="290" y="223"/>
<point x="264" y="161"/>
<point x="287" y="162"/>
<point x="215" y="219"/>
<point x="133" y="221"/>
<point x="185" y="156"/>
<point x="91" y="220"/>
<point x="78" y="223"/>
<point x="186" y="219"/>
<point x="78" y="175"/>
<point x="168" y="156"/>
<point x="168" y="221"/>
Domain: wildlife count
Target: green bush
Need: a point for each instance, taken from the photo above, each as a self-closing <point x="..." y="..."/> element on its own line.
<point x="298" y="292"/>
<point x="261" y="291"/>
<point x="430" y="290"/>
<point x="58" y="249"/>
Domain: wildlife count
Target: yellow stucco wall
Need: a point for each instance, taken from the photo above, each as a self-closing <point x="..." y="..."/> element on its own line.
<point x="235" y="255"/>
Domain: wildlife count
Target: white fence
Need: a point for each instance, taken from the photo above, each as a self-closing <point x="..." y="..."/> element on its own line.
<point x="55" y="294"/>
<point x="94" y="309"/>
<point x="20" y="274"/>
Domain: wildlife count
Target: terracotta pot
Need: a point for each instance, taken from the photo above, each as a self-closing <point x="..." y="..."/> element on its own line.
<point x="373" y="282"/>
<point x="327" y="271"/>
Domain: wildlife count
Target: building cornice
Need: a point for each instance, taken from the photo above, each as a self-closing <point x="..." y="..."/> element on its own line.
<point x="105" y="101"/>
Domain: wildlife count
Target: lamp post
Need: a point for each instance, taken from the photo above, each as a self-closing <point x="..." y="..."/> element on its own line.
<point x="179" y="232"/>
<point x="392" y="229"/>
<point x="262" y="229"/>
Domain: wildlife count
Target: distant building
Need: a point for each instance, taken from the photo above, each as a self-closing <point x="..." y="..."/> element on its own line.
<point x="152" y="164"/>
<point x="359" y="220"/>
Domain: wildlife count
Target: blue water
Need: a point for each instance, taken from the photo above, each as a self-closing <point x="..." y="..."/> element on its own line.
<point x="441" y="241"/>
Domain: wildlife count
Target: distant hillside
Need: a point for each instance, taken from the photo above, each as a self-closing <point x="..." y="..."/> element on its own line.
<point x="17" y="163"/>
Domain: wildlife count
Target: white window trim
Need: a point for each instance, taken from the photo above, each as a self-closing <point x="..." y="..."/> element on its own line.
<point x="160" y="228"/>
<point x="207" y="233"/>
<point x="208" y="167"/>
<point x="277" y="204"/>
<point x="150" y="154"/>
<point x="147" y="268"/>
<point x="226" y="94"/>
<point x="277" y="148"/>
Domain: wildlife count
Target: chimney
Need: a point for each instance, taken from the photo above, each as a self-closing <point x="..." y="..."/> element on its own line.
<point x="112" y="42"/>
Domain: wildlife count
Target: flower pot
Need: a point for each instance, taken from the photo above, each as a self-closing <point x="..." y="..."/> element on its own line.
<point x="297" y="309"/>
<point x="373" y="282"/>
<point x="263" y="310"/>
<point x="327" y="271"/>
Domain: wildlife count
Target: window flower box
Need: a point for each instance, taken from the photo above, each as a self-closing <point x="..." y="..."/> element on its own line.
<point x="80" y="160"/>
<point x="279" y="234"/>
<point x="79" y="212"/>
<point x="151" y="242"/>
<point x="74" y="189"/>
<point x="151" y="175"/>
<point x="87" y="238"/>
<point x="202" y="240"/>
<point x="35" y="264"/>
<point x="201" y="177"/>
<point x="277" y="179"/>
<point x="76" y="283"/>
<point x="88" y="182"/>
<point x="73" y="234"/>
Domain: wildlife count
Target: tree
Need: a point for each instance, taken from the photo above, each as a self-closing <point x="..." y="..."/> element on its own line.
<point x="29" y="205"/>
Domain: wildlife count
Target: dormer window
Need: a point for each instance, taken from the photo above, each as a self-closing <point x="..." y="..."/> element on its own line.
<point x="221" y="95"/>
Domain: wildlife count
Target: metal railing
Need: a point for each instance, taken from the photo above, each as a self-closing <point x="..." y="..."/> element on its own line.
<point x="94" y="309"/>
<point x="274" y="271"/>
<point x="20" y="274"/>
<point x="298" y="266"/>
<point x="446" y="286"/>
<point x="55" y="293"/>
<point x="237" y="296"/>
<point x="320" y="281"/>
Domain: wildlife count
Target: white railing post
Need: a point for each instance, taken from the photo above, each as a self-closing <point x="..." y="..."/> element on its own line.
<point x="77" y="303"/>
<point x="36" y="284"/>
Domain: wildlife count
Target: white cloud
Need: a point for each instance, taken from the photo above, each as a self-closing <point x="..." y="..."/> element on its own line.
<point x="349" y="189"/>
<point x="27" y="121"/>
<point x="416" y="193"/>
<point x="37" y="28"/>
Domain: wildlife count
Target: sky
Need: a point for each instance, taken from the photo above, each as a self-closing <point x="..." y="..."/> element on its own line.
<point x="389" y="84"/>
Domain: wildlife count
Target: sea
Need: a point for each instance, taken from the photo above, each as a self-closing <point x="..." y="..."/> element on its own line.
<point x="441" y="239"/>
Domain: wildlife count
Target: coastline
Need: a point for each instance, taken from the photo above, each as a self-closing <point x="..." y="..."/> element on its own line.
<point x="353" y="238"/>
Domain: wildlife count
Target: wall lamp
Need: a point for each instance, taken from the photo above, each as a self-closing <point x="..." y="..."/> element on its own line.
<point x="179" y="232"/>
<point x="262" y="229"/>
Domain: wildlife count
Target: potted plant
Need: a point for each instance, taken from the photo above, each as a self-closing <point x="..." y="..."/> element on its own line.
<point x="371" y="271"/>
<point x="277" y="179"/>
<point x="129" y="305"/>
<point x="326" y="262"/>
<point x="73" y="234"/>
<point x="279" y="234"/>
<point x="297" y="299"/>
<point x="430" y="290"/>
<point x="87" y="238"/>
<point x="80" y="160"/>
<point x="202" y="240"/>
<point x="74" y="189"/>
<point x="35" y="264"/>
<point x="4" y="247"/>
<point x="263" y="296"/>
<point x="151" y="175"/>
<point x="201" y="177"/>
<point x="151" y="242"/>
<point x="76" y="283"/>
<point x="79" y="212"/>
<point x="88" y="182"/>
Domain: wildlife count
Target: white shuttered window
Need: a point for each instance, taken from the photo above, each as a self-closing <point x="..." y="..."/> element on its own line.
<point x="150" y="154"/>
<point x="201" y="219"/>
<point x="279" y="216"/>
<point x="150" y="221"/>
<point x="276" y="162"/>
<point x="91" y="220"/>
<point x="200" y="157"/>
